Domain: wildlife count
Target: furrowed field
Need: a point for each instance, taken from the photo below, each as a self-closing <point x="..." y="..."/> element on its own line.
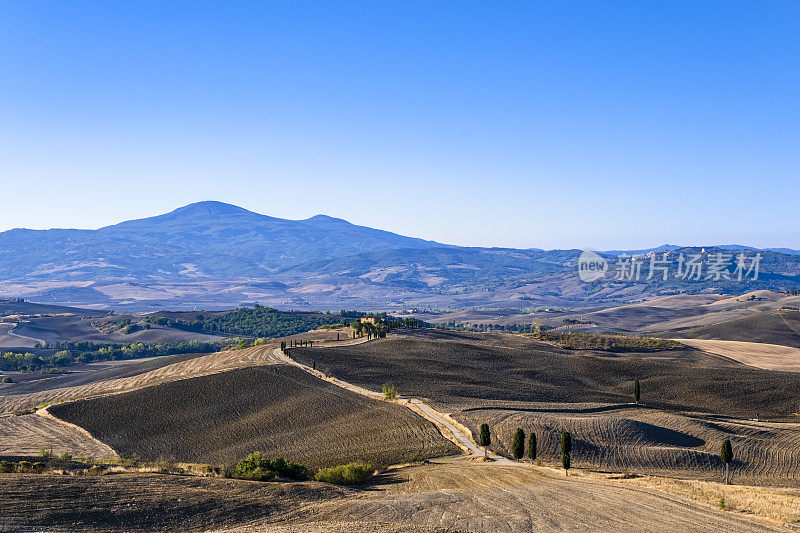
<point x="279" y="410"/>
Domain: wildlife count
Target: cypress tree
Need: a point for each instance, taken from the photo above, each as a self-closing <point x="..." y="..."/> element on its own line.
<point x="726" y="454"/>
<point x="532" y="446"/>
<point x="518" y="445"/>
<point x="485" y="438"/>
<point x="636" y="390"/>
<point x="566" y="448"/>
<point x="566" y="442"/>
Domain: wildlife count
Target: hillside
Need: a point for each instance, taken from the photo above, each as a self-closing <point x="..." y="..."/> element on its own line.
<point x="279" y="410"/>
<point x="778" y="327"/>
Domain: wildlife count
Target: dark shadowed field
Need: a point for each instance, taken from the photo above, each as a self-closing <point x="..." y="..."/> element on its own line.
<point x="469" y="370"/>
<point x="279" y="410"/>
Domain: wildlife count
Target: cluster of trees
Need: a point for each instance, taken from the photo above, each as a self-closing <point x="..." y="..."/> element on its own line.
<point x="511" y="328"/>
<point x="609" y="343"/>
<point x="518" y="446"/>
<point x="69" y="353"/>
<point x="257" y="467"/>
<point x="256" y="321"/>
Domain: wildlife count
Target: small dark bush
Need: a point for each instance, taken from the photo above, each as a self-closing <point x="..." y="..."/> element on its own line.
<point x="6" y="467"/>
<point x="256" y="467"/>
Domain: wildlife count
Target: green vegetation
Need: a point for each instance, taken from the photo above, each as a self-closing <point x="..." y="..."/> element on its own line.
<point x="256" y="321"/>
<point x="726" y="455"/>
<point x="86" y="352"/>
<point x="518" y="444"/>
<point x="389" y="392"/>
<point x="349" y="474"/>
<point x="256" y="467"/>
<point x="609" y="343"/>
<point x="532" y="447"/>
<point x="8" y="379"/>
<point x="484" y="438"/>
<point x="566" y="449"/>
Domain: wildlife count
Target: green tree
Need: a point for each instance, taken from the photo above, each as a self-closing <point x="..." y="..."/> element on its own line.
<point x="518" y="444"/>
<point x="726" y="454"/>
<point x="485" y="438"/>
<point x="532" y="446"/>
<point x="636" y="390"/>
<point x="566" y="449"/>
<point x="566" y="442"/>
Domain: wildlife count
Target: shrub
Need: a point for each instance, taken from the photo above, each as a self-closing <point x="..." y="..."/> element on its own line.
<point x="8" y="379"/>
<point x="65" y="456"/>
<point x="349" y="474"/>
<point x="289" y="470"/>
<point x="23" y="467"/>
<point x="6" y="467"/>
<point x="44" y="452"/>
<point x="256" y="467"/>
<point x="389" y="392"/>
<point x="38" y="468"/>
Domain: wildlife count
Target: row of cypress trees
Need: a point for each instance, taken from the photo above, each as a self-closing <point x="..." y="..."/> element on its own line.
<point x="518" y="447"/>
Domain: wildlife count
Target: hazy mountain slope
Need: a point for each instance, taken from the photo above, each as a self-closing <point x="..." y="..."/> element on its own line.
<point x="217" y="255"/>
<point x="205" y="239"/>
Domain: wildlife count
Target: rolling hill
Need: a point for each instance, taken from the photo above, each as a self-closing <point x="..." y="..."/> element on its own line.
<point x="780" y="327"/>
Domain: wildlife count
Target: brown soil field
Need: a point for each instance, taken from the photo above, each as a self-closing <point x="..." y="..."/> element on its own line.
<point x="757" y="354"/>
<point x="198" y="365"/>
<point x="649" y="441"/>
<point x="279" y="410"/>
<point x="455" y="494"/>
<point x="778" y="327"/>
<point x="459" y="495"/>
<point x="462" y="370"/>
<point x="76" y="328"/>
<point x="25" y="435"/>
<point x="147" y="502"/>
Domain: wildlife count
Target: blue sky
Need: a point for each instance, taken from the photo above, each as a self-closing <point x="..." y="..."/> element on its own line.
<point x="602" y="124"/>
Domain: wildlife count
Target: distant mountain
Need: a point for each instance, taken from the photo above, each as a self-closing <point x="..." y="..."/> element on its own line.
<point x="215" y="255"/>
<point x="202" y="240"/>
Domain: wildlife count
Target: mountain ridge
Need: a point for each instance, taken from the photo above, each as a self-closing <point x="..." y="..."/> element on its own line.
<point x="216" y="252"/>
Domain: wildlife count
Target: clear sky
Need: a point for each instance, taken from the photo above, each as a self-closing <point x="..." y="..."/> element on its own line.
<point x="607" y="124"/>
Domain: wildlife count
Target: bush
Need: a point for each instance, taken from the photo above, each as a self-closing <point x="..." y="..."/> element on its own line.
<point x="290" y="470"/>
<point x="349" y="474"/>
<point x="6" y="467"/>
<point x="23" y="467"/>
<point x="38" y="468"/>
<point x="256" y="467"/>
<point x="389" y="392"/>
<point x="8" y="379"/>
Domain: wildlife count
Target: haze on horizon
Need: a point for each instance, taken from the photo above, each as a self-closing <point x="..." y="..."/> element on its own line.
<point x="548" y="125"/>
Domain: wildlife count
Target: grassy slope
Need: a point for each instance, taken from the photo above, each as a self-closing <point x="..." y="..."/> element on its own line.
<point x="278" y="410"/>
